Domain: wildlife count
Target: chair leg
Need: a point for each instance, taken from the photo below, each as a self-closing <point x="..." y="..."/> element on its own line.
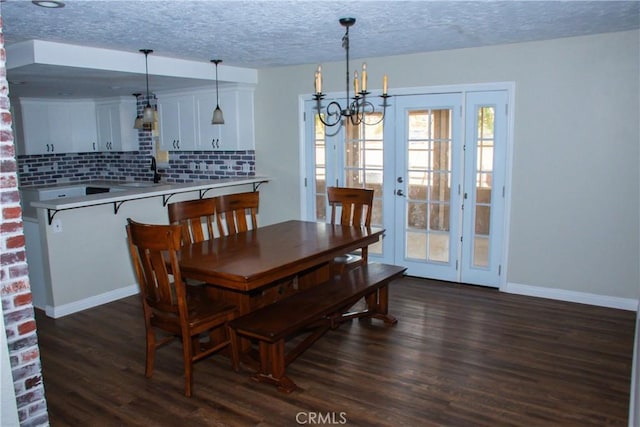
<point x="151" y="351"/>
<point x="233" y="342"/>
<point x="187" y="354"/>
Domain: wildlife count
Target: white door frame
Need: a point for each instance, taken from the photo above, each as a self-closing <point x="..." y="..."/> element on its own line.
<point x="305" y="151"/>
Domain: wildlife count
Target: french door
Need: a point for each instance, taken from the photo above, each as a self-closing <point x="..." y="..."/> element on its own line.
<point x="438" y="168"/>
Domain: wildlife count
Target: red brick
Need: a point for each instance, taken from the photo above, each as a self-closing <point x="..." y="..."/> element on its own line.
<point x="14" y="212"/>
<point x="7" y="150"/>
<point x="22" y="299"/>
<point x="8" y="181"/>
<point x="12" y="257"/>
<point x="27" y="327"/>
<point x="17" y="271"/>
<point x="8" y="165"/>
<point x="15" y="287"/>
<point x="29" y="383"/>
<point x="10" y="227"/>
<point x="31" y="354"/>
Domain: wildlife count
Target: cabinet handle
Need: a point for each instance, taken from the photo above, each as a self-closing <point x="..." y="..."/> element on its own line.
<point x="47" y="148"/>
<point x="94" y="146"/>
<point x="178" y="143"/>
<point x="174" y="144"/>
<point x="53" y="148"/>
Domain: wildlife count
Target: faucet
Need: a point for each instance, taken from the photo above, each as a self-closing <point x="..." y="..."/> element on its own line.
<point x="156" y="175"/>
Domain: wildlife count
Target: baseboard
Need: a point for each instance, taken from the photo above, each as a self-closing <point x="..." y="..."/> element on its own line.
<point x="94" y="301"/>
<point x="572" y="296"/>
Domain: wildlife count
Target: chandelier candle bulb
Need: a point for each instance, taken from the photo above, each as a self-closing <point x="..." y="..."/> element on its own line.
<point x="385" y="83"/>
<point x="364" y="76"/>
<point x="355" y="83"/>
<point x="319" y="79"/>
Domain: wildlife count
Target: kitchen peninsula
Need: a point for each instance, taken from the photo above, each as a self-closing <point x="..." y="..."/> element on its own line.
<point x="76" y="246"/>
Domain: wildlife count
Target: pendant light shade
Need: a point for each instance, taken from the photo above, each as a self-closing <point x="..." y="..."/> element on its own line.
<point x="147" y="115"/>
<point x="138" y="123"/>
<point x="218" y="118"/>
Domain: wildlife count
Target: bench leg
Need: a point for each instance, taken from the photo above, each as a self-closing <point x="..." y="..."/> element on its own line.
<point x="378" y="302"/>
<point x="272" y="367"/>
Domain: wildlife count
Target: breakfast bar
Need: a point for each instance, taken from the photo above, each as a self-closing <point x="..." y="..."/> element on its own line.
<point x="76" y="245"/>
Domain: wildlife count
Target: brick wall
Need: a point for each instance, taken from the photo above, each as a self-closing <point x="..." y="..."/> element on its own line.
<point x="17" y="309"/>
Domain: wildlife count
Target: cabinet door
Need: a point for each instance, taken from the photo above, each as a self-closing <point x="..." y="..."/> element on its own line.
<point x="103" y="120"/>
<point x="229" y="130"/>
<point x="35" y="131"/>
<point x="168" y="110"/>
<point x="59" y="128"/>
<point x="84" y="136"/>
<point x="128" y="135"/>
<point x="177" y="123"/>
<point x="208" y="134"/>
<point x="245" y="121"/>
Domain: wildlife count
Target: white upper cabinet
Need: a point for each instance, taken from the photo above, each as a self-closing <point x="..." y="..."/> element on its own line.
<point x="114" y="120"/>
<point x="49" y="126"/>
<point x="209" y="135"/>
<point x="52" y="127"/>
<point x="84" y="136"/>
<point x="177" y="117"/>
<point x="177" y="122"/>
<point x="245" y="130"/>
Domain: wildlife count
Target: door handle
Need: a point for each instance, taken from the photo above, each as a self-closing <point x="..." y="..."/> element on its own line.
<point x="399" y="193"/>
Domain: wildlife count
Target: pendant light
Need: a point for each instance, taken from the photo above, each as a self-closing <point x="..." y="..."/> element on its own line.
<point x="218" y="118"/>
<point x="147" y="114"/>
<point x="138" y="123"/>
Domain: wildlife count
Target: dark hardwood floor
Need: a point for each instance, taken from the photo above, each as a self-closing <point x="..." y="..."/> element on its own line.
<point x="459" y="356"/>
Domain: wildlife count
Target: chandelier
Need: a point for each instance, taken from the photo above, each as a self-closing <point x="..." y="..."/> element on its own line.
<point x="357" y="107"/>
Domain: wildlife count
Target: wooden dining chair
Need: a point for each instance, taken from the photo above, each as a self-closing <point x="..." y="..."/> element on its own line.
<point x="232" y="211"/>
<point x="355" y="205"/>
<point x="196" y="218"/>
<point x="173" y="308"/>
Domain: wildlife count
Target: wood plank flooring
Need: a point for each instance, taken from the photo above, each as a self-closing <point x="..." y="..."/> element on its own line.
<point x="459" y="356"/>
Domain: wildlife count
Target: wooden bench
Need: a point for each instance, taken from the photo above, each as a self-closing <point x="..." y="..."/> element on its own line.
<point x="313" y="311"/>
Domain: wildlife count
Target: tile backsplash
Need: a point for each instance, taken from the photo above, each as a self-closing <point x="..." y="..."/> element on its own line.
<point x="183" y="166"/>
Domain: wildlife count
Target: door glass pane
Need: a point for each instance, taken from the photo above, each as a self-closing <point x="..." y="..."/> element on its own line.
<point x="429" y="184"/>
<point x="320" y="170"/>
<point x="363" y="164"/>
<point x="483" y="190"/>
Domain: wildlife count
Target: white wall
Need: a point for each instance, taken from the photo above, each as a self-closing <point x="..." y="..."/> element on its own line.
<point x="575" y="189"/>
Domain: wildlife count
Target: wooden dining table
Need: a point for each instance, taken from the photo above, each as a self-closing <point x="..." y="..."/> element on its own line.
<point x="258" y="267"/>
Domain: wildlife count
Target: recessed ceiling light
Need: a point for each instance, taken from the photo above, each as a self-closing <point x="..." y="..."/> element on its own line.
<point x="51" y="4"/>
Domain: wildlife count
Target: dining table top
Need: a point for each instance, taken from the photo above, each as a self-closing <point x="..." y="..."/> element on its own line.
<point x="248" y="260"/>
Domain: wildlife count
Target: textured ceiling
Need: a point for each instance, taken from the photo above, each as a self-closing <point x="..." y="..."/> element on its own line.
<point x="260" y="34"/>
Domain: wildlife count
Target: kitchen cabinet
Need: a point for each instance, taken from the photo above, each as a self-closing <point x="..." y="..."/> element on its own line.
<point x="185" y="120"/>
<point x="177" y="122"/>
<point x="237" y="132"/>
<point x="115" y="125"/>
<point x="51" y="126"/>
<point x="209" y="136"/>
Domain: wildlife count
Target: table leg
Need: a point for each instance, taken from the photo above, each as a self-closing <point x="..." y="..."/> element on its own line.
<point x="272" y="367"/>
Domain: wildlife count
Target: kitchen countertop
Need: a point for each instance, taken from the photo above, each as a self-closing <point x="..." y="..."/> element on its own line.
<point x="131" y="190"/>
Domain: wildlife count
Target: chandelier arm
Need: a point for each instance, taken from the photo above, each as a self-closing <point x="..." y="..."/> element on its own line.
<point x="332" y="110"/>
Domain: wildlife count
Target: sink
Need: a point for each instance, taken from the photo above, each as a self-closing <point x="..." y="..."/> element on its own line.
<point x="139" y="184"/>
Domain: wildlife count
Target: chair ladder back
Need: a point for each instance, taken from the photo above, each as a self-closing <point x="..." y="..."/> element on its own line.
<point x="356" y="205"/>
<point x="150" y="248"/>
<point x="193" y="215"/>
<point x="233" y="209"/>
